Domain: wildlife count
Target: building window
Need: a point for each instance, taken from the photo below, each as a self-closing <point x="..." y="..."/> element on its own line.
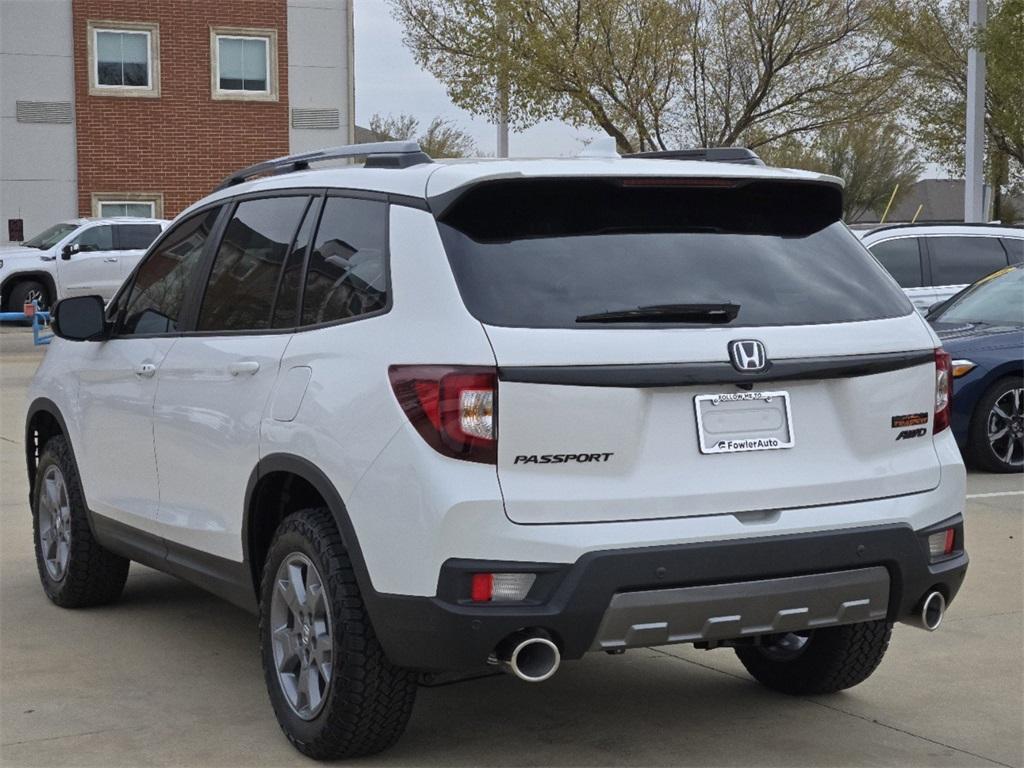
<point x="126" y="208"/>
<point x="123" y="59"/>
<point x="148" y="205"/>
<point x="244" y="64"/>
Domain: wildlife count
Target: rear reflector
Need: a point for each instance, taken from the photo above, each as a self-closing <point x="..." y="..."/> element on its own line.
<point x="943" y="390"/>
<point x="501" y="587"/>
<point x="454" y="408"/>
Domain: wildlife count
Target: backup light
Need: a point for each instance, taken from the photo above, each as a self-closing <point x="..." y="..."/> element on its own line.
<point x="501" y="587"/>
<point x="941" y="543"/>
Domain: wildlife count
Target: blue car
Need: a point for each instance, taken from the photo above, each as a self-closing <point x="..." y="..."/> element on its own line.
<point x="982" y="328"/>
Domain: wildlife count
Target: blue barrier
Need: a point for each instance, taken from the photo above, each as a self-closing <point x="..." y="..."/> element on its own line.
<point x="40" y="319"/>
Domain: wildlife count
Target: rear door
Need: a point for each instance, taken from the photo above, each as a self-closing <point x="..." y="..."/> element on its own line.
<point x="132" y="240"/>
<point x="215" y="382"/>
<point x="956" y="261"/>
<point x="783" y="377"/>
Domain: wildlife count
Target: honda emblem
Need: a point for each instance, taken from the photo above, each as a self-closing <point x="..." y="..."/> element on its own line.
<point x="748" y="355"/>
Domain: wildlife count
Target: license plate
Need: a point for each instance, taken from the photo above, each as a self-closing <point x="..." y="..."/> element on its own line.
<point x="743" y="421"/>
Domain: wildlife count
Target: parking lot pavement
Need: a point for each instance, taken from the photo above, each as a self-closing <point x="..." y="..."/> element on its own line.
<point x="171" y="676"/>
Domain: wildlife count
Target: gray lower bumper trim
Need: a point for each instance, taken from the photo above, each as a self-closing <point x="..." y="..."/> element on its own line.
<point x="743" y="609"/>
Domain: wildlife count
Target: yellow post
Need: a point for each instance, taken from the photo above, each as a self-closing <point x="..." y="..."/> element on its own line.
<point x="917" y="213"/>
<point x="887" y="207"/>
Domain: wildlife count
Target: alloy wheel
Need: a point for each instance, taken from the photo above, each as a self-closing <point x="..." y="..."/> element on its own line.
<point x="54" y="512"/>
<point x="300" y="627"/>
<point x="1005" y="427"/>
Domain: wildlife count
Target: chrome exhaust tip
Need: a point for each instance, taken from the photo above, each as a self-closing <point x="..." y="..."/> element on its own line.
<point x="530" y="655"/>
<point x="929" y="617"/>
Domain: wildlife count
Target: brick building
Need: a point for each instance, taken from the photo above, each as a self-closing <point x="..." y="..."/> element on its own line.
<point x="115" y="107"/>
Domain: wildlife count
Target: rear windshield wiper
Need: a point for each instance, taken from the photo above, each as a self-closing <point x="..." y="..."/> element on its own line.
<point x="716" y="314"/>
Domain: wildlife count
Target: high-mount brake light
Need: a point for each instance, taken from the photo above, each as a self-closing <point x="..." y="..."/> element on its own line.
<point x="454" y="408"/>
<point x="680" y="181"/>
<point x="943" y="390"/>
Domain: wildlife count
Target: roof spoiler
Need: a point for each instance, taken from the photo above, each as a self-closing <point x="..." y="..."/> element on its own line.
<point x="740" y="155"/>
<point x="381" y="154"/>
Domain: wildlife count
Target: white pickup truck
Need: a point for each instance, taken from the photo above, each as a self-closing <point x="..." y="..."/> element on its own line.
<point x="80" y="257"/>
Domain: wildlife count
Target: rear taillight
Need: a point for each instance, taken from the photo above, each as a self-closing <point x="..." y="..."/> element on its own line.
<point x="454" y="408"/>
<point x="943" y="390"/>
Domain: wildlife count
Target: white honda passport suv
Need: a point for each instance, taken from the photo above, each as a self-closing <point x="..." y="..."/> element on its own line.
<point x="428" y="417"/>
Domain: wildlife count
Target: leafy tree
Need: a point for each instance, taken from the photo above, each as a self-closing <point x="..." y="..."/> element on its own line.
<point x="932" y="38"/>
<point x="659" y="73"/>
<point x="441" y="138"/>
<point x="872" y="158"/>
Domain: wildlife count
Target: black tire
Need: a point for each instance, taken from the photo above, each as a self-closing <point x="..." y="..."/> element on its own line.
<point x="91" y="574"/>
<point x="367" y="701"/>
<point x="831" y="659"/>
<point x="25" y="291"/>
<point x="980" y="451"/>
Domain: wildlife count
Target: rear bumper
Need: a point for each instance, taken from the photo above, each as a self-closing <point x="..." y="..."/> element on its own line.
<point x="598" y="601"/>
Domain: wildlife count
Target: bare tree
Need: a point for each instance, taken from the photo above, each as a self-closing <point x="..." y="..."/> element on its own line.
<point x="442" y="138"/>
<point x="658" y="73"/>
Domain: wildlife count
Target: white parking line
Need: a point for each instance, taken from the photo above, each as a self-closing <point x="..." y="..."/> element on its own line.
<point x="996" y="493"/>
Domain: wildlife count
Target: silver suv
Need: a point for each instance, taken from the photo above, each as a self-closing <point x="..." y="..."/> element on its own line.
<point x="932" y="262"/>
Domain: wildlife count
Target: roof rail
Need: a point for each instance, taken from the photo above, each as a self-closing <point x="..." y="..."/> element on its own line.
<point x="740" y="155"/>
<point x="380" y="154"/>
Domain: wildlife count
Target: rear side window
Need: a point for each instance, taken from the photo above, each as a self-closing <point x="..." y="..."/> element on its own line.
<point x="240" y="291"/>
<point x="961" y="260"/>
<point x="541" y="253"/>
<point x="901" y="259"/>
<point x="1014" y="249"/>
<point x="347" y="272"/>
<point x="165" y="276"/>
<point x="136" y="237"/>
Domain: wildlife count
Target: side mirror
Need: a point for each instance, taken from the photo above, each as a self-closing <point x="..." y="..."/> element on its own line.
<point x="67" y="250"/>
<point x="934" y="308"/>
<point x="80" y="318"/>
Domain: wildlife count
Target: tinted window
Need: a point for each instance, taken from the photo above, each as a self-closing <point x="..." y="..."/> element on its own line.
<point x="902" y="259"/>
<point x="992" y="302"/>
<point x="241" y="288"/>
<point x="136" y="237"/>
<point x="96" y="239"/>
<point x="958" y="260"/>
<point x="1014" y="248"/>
<point x="347" y="274"/>
<point x="539" y="253"/>
<point x="287" y="304"/>
<point x="165" y="276"/>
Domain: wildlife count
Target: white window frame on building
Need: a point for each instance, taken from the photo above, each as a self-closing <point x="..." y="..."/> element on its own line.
<point x="268" y="37"/>
<point x="151" y="31"/>
<point x="154" y="200"/>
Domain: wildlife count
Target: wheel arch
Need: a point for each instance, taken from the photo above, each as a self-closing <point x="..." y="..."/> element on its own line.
<point x="265" y="507"/>
<point x="43" y="421"/>
<point x="11" y="280"/>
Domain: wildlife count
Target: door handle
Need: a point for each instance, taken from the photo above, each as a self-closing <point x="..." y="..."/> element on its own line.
<point x="243" y="366"/>
<point x="145" y="370"/>
<point x="111" y="260"/>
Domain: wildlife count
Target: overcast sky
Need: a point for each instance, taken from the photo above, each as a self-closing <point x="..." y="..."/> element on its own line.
<point x="389" y="81"/>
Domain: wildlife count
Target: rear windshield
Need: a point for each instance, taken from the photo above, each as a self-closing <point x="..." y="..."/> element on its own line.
<point x="542" y="253"/>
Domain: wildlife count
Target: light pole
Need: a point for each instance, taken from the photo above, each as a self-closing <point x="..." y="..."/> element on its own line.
<point x="974" y="152"/>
